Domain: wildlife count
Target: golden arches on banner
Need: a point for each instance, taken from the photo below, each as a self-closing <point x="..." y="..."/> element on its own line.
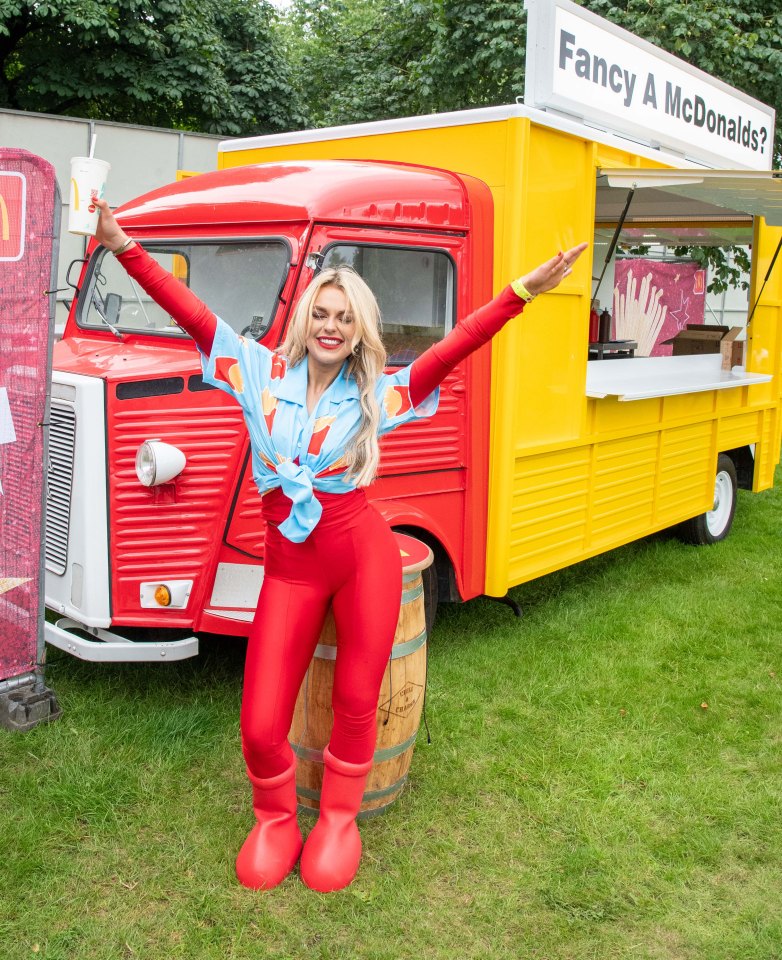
<point x="6" y="228"/>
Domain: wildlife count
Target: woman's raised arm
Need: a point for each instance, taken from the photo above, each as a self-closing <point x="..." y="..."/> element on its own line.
<point x="190" y="313"/>
<point x="433" y="366"/>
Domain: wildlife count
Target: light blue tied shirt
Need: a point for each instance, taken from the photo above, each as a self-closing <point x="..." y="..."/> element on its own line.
<point x="291" y="448"/>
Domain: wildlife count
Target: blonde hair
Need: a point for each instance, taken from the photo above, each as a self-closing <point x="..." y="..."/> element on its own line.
<point x="365" y="364"/>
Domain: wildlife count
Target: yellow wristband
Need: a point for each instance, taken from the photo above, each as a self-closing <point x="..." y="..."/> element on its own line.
<point x="521" y="291"/>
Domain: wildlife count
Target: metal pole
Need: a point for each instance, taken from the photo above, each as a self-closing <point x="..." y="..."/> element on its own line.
<point x="614" y="241"/>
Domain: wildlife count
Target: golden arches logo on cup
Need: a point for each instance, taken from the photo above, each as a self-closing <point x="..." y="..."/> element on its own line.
<point x="94" y="195"/>
<point x="89" y="177"/>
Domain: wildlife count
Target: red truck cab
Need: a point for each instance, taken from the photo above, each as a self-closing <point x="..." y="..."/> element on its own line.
<point x="183" y="556"/>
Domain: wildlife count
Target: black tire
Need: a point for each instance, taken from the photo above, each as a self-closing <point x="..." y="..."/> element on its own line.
<point x="431" y="596"/>
<point x="715" y="525"/>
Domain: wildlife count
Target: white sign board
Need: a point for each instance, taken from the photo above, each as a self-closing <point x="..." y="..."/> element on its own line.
<point x="582" y="65"/>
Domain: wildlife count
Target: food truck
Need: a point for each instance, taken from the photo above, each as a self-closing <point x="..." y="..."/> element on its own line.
<point x="538" y="456"/>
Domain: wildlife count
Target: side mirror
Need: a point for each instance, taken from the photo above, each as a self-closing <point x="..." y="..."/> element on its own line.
<point x="112" y="306"/>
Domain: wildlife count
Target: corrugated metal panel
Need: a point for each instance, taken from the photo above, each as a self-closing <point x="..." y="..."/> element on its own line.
<point x="170" y="530"/>
<point x="549" y="507"/>
<point x="60" y="138"/>
<point x="737" y="431"/>
<point x="59" y="481"/>
<point x="622" y="488"/>
<point x="767" y="451"/>
<point x="686" y="471"/>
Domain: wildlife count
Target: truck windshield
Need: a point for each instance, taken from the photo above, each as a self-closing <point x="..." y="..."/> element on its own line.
<point x="240" y="282"/>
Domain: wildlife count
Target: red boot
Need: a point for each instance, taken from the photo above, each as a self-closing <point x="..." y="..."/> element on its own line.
<point x="333" y="849"/>
<point x="274" y="844"/>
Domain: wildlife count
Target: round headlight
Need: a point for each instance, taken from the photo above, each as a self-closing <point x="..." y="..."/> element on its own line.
<point x="145" y="464"/>
<point x="158" y="462"/>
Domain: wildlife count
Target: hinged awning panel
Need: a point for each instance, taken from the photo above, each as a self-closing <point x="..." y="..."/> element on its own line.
<point x="711" y="192"/>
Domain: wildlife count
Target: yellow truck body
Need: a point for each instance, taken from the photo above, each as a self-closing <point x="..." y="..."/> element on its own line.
<point x="571" y="475"/>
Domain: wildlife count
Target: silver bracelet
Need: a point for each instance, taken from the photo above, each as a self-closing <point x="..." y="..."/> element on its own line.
<point x="123" y="248"/>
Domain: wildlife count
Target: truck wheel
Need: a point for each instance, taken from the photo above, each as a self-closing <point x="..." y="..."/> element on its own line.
<point x="715" y="525"/>
<point x="431" y="596"/>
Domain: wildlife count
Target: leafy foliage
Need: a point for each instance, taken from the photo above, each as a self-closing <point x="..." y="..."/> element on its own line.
<point x="357" y="60"/>
<point x="726" y="267"/>
<point x="234" y="66"/>
<point x="477" y="57"/>
<point x="211" y="65"/>
<point x="369" y="59"/>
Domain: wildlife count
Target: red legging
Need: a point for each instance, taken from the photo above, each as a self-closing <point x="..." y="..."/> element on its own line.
<point x="352" y="561"/>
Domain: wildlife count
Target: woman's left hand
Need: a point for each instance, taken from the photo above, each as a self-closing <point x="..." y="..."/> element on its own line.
<point x="109" y="232"/>
<point x="549" y="274"/>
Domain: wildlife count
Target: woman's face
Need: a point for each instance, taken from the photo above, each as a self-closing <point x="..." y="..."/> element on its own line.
<point x="331" y="328"/>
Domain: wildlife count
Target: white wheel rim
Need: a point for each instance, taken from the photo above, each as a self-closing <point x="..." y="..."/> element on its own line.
<point x="717" y="518"/>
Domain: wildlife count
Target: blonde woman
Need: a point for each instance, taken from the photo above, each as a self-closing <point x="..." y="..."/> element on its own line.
<point x="314" y="411"/>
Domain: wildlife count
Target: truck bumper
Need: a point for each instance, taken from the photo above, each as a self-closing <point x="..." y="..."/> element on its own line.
<point x="103" y="646"/>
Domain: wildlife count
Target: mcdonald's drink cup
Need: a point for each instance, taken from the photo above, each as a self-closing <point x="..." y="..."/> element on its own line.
<point x="88" y="182"/>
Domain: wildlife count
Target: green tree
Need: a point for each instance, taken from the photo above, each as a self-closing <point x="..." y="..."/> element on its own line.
<point x="359" y="60"/>
<point x="210" y="65"/>
<point x="356" y="60"/>
<point x="477" y="54"/>
<point x="369" y="59"/>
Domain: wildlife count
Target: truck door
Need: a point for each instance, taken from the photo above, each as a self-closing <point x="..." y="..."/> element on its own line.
<point x="431" y="472"/>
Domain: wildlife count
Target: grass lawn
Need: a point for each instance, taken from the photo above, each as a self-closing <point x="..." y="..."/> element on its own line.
<point x="604" y="781"/>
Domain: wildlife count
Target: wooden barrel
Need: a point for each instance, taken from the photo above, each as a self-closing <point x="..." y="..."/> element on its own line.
<point x="399" y="705"/>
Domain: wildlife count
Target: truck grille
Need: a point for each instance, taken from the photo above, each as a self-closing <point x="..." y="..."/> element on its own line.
<point x="59" y="480"/>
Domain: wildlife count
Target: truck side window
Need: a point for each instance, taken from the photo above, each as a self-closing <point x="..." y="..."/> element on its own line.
<point x="240" y="282"/>
<point x="414" y="287"/>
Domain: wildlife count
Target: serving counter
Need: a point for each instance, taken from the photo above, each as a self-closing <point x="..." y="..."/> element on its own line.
<point x="639" y="378"/>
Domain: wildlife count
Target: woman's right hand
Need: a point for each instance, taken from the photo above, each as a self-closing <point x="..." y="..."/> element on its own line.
<point x="109" y="232"/>
<point x="551" y="273"/>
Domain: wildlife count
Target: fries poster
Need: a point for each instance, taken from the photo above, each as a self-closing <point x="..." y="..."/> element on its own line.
<point x="654" y="300"/>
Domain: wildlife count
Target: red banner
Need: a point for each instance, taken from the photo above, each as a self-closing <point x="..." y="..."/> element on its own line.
<point x="29" y="222"/>
<point x="654" y="300"/>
